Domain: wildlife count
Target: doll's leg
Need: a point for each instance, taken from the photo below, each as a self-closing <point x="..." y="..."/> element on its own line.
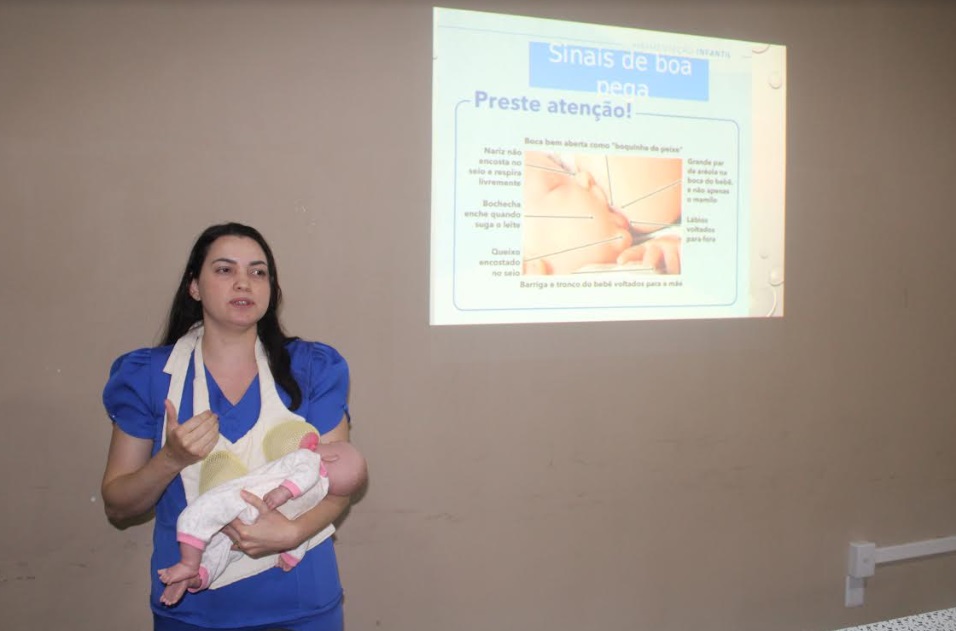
<point x="189" y="557"/>
<point x="213" y="562"/>
<point x="185" y="574"/>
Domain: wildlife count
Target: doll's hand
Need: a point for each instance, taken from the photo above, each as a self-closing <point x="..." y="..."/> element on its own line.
<point x="193" y="440"/>
<point x="277" y="497"/>
<point x="663" y="254"/>
<point x="270" y="534"/>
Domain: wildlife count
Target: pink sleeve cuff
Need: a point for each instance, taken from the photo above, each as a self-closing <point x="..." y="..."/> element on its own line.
<point x="293" y="488"/>
<point x="191" y="541"/>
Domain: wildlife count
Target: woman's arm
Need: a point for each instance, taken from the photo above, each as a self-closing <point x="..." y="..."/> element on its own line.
<point x="273" y="532"/>
<point x="134" y="480"/>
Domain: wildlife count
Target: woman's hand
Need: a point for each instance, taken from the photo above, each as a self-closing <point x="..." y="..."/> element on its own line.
<point x="270" y="534"/>
<point x="134" y="479"/>
<point x="193" y="440"/>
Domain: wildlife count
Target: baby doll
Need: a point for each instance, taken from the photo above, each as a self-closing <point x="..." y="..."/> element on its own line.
<point x="293" y="483"/>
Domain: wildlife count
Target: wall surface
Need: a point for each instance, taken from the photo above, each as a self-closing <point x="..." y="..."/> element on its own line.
<point x="618" y="476"/>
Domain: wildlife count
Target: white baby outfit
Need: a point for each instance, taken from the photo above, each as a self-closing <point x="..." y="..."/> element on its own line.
<point x="202" y="520"/>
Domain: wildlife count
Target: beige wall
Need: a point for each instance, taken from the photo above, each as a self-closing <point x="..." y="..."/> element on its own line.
<point x="656" y="475"/>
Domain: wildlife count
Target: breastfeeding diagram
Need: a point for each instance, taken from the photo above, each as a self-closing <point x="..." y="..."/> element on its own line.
<point x="588" y="173"/>
<point x="594" y="213"/>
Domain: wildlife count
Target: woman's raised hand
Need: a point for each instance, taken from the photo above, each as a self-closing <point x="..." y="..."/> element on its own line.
<point x="191" y="441"/>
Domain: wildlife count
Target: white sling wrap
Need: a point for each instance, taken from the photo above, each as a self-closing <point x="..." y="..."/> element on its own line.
<point x="248" y="449"/>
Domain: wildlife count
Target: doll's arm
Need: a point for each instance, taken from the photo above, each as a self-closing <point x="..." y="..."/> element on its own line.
<point x="277" y="497"/>
<point x="302" y="467"/>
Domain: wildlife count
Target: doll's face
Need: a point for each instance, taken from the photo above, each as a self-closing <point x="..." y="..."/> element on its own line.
<point x="567" y="220"/>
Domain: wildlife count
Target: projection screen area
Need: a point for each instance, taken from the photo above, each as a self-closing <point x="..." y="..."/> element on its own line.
<point x="589" y="173"/>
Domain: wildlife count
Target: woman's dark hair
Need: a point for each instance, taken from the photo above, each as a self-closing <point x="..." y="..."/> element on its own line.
<point x="185" y="311"/>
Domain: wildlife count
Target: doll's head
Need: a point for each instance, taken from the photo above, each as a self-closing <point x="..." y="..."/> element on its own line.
<point x="345" y="465"/>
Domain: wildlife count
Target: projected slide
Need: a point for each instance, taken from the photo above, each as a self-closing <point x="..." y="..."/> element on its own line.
<point x="586" y="173"/>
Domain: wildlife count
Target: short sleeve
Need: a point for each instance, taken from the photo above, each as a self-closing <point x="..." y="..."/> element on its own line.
<point x="326" y="388"/>
<point x="126" y="396"/>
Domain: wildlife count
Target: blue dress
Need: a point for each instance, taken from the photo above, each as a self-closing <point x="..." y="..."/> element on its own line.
<point x="303" y="598"/>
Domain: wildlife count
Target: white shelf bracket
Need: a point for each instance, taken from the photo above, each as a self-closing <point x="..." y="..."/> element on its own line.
<point x="864" y="556"/>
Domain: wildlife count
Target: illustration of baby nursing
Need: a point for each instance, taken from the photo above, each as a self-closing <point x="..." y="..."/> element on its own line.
<point x="300" y="471"/>
<point x="586" y="213"/>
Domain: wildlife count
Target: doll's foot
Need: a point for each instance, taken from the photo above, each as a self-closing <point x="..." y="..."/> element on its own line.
<point x="173" y="593"/>
<point x="177" y="573"/>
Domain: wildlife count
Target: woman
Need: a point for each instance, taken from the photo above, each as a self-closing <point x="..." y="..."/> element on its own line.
<point x="225" y="375"/>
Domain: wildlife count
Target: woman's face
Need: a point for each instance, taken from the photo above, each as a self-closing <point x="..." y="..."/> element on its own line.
<point x="233" y="283"/>
<point x="567" y="220"/>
